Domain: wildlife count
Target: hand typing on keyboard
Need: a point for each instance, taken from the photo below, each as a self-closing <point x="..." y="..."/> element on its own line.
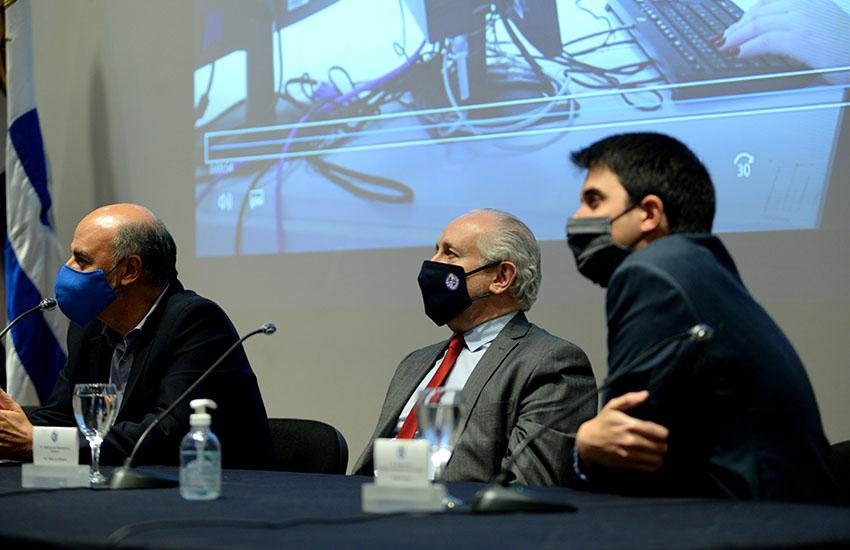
<point x="814" y="32"/>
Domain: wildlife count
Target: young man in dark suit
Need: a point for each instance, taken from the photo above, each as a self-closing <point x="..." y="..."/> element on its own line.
<point x="734" y="417"/>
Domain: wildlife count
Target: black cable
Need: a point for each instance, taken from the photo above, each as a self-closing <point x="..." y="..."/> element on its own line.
<point x="343" y="177"/>
<point x="608" y="32"/>
<point x="279" y="33"/>
<point x="312" y="92"/>
<point x="400" y="48"/>
<point x="541" y="74"/>
<point x="606" y="82"/>
<point x="567" y="60"/>
<point x="593" y="14"/>
<point x="646" y="108"/>
<point x="232" y="108"/>
<point x="633" y="69"/>
<point x="610" y="81"/>
<point x="367" y="104"/>
<point x="592" y="49"/>
<point x="302" y="80"/>
<point x="240" y="219"/>
<point x="204" y="101"/>
<point x="539" y="81"/>
<point x="337" y="68"/>
<point x="610" y="77"/>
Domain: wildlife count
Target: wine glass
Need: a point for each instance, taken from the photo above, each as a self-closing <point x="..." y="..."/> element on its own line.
<point x="438" y="411"/>
<point x="95" y="408"/>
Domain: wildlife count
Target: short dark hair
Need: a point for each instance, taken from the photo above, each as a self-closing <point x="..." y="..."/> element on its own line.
<point x="657" y="164"/>
<point x="151" y="241"/>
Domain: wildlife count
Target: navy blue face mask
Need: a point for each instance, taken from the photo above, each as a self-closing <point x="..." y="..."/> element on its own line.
<point x="444" y="290"/>
<point x="83" y="295"/>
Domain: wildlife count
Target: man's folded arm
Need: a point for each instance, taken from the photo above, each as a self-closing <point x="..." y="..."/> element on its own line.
<point x="620" y="437"/>
<point x="561" y="378"/>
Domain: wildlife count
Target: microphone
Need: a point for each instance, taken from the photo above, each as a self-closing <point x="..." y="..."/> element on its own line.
<point x="127" y="477"/>
<point x="498" y="497"/>
<point x="45" y="305"/>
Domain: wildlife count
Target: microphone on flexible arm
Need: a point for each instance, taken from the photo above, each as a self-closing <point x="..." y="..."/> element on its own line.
<point x="45" y="305"/>
<point x="497" y="497"/>
<point x="127" y="477"/>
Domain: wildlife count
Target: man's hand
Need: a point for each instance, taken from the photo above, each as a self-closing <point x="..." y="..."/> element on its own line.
<point x="15" y="429"/>
<point x="815" y="32"/>
<point x="614" y="439"/>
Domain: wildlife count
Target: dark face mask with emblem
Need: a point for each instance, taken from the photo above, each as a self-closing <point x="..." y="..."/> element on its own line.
<point x="444" y="290"/>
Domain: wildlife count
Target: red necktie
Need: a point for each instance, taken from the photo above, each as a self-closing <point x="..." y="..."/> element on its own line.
<point x="408" y="429"/>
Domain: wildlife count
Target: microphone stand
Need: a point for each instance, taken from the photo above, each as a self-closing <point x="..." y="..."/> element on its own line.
<point x="498" y="497"/>
<point x="45" y="305"/>
<point x="127" y="477"/>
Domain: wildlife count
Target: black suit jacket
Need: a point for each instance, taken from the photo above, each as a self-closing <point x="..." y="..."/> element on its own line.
<point x="741" y="412"/>
<point x="524" y="378"/>
<point x="183" y="336"/>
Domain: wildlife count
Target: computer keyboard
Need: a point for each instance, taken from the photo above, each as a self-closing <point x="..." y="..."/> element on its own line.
<point x="677" y="35"/>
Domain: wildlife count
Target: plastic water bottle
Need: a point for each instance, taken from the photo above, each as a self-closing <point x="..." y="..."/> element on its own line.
<point x="200" y="456"/>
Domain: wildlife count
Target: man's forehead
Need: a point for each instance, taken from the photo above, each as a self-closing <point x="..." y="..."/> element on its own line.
<point x="464" y="230"/>
<point x="602" y="179"/>
<point x="99" y="219"/>
<point x="94" y="235"/>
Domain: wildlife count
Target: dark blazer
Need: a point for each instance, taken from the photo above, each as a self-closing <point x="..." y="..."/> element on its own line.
<point x="524" y="377"/>
<point x="741" y="412"/>
<point x="183" y="336"/>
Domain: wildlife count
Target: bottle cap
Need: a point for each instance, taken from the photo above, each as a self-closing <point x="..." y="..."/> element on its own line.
<point x="201" y="418"/>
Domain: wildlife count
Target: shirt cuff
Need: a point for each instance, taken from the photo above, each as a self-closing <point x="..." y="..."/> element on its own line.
<point x="577" y="467"/>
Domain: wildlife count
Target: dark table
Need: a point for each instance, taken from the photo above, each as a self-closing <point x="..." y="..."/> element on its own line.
<point x="84" y="517"/>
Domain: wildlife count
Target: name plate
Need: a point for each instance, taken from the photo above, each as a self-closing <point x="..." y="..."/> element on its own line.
<point x="55" y="446"/>
<point x="54" y="477"/>
<point x="401" y="479"/>
<point x="401" y="462"/>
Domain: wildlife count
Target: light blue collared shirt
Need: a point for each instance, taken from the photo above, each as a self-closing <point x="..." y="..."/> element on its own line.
<point x="476" y="342"/>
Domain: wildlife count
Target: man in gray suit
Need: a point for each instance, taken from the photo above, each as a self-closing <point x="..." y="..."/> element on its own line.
<point x="515" y="376"/>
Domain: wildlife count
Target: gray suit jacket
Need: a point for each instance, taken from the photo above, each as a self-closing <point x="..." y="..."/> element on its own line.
<point x="525" y="377"/>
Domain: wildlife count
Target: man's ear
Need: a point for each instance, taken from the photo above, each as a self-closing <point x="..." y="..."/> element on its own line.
<point x="505" y="277"/>
<point x="132" y="270"/>
<point x="654" y="220"/>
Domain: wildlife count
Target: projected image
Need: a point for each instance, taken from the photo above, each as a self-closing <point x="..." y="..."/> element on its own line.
<point x="342" y="125"/>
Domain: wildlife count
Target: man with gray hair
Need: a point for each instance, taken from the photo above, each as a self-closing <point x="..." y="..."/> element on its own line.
<point x="135" y="326"/>
<point x="515" y="376"/>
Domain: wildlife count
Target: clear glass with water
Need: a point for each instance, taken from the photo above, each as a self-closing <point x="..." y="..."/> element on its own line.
<point x="95" y="407"/>
<point x="438" y="411"/>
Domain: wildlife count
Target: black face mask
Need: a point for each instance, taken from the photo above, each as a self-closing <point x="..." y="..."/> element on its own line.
<point x="596" y="252"/>
<point x="444" y="290"/>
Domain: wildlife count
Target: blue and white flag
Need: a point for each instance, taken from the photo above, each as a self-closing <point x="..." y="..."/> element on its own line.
<point x="35" y="351"/>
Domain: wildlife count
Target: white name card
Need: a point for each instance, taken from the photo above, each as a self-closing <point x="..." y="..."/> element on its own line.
<point x="401" y="479"/>
<point x="401" y="462"/>
<point x="55" y="446"/>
